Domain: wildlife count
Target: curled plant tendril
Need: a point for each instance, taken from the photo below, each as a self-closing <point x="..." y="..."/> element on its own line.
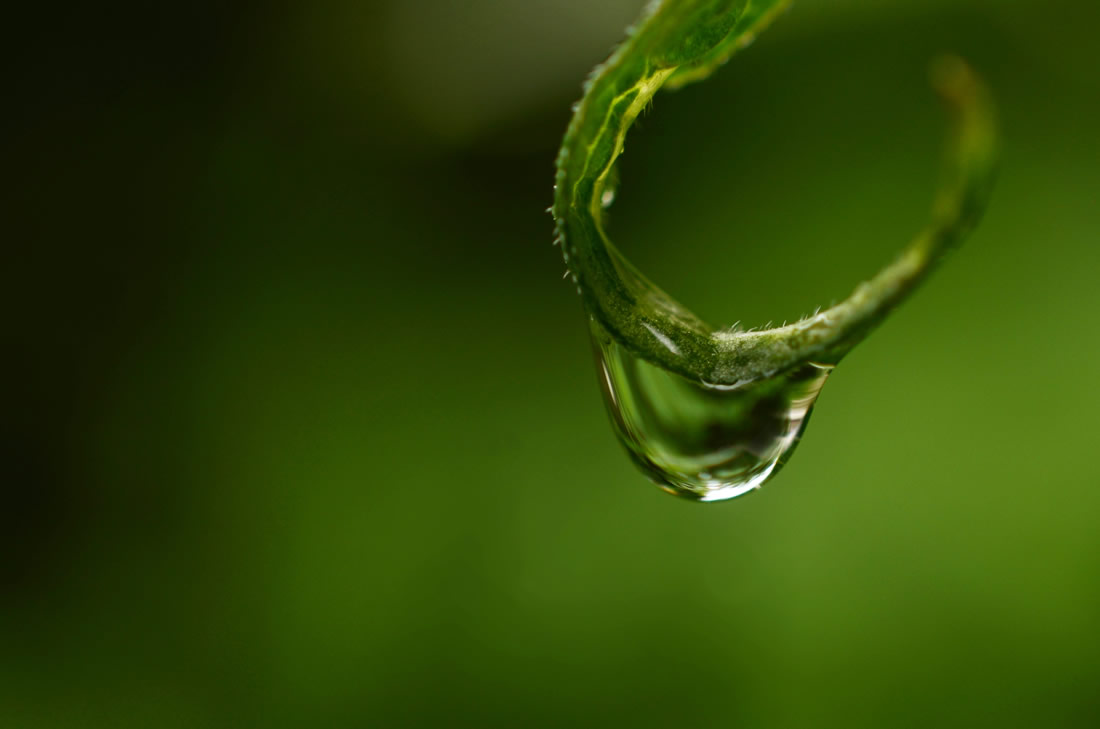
<point x="682" y="41"/>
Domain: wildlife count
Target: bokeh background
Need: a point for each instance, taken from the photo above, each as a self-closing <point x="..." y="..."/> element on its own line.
<point x="304" y="428"/>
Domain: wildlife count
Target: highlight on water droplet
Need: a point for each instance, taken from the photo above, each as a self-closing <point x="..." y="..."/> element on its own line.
<point x="701" y="441"/>
<point x="610" y="187"/>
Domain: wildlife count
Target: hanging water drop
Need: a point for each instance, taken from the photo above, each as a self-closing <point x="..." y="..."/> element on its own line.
<point x="700" y="441"/>
<point x="610" y="187"/>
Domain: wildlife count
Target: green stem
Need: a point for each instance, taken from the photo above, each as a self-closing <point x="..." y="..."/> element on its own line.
<point x="681" y="41"/>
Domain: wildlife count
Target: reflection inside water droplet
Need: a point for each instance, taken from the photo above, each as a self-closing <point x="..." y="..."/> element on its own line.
<point x="699" y="441"/>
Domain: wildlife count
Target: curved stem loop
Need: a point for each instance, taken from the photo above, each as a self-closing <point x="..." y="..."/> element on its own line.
<point x="682" y="41"/>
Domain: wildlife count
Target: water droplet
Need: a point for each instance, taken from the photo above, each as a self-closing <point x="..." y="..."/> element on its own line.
<point x="610" y="188"/>
<point x="701" y="441"/>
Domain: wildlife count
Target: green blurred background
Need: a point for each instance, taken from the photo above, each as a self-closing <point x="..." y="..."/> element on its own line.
<point x="304" y="428"/>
